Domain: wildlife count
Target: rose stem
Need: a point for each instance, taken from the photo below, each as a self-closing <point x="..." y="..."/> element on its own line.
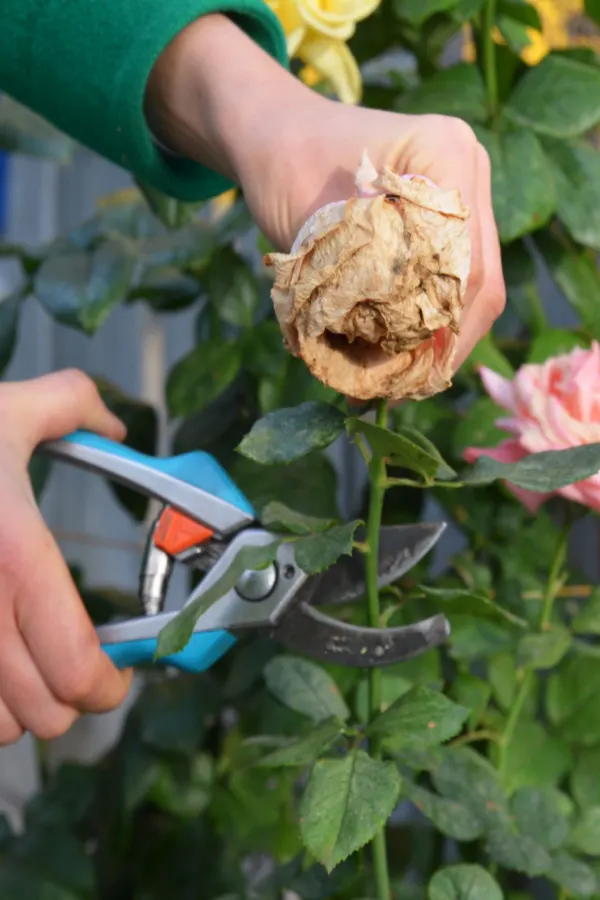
<point x="488" y="49"/>
<point x="377" y="477"/>
<point x="552" y="587"/>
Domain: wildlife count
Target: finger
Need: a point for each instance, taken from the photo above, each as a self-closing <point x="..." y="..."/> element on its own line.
<point x="24" y="692"/>
<point x="55" y="626"/>
<point x="490" y="300"/>
<point x="53" y="405"/>
<point x="10" y="730"/>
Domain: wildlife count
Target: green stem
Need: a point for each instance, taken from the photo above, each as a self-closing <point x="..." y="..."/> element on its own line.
<point x="513" y="718"/>
<point x="377" y="474"/>
<point x="489" y="58"/>
<point x="552" y="587"/>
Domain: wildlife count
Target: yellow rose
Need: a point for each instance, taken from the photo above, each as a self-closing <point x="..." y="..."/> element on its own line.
<point x="316" y="32"/>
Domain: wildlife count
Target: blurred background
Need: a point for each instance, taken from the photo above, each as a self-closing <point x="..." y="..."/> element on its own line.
<point x="41" y="199"/>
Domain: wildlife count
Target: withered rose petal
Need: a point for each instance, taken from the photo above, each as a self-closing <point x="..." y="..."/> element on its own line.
<point x="372" y="293"/>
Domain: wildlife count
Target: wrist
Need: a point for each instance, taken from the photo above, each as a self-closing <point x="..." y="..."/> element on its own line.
<point x="225" y="116"/>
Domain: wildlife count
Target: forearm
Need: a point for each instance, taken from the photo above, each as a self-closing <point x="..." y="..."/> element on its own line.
<point x="223" y="115"/>
<point x="85" y="66"/>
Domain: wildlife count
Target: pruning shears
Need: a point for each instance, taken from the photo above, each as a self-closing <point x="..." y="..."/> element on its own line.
<point x="205" y="521"/>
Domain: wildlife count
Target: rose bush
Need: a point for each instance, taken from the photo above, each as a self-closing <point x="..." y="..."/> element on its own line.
<point x="471" y="772"/>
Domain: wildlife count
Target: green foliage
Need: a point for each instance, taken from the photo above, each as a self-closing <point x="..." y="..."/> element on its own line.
<point x="267" y="777"/>
<point x="345" y="804"/>
<point x="288" y="434"/>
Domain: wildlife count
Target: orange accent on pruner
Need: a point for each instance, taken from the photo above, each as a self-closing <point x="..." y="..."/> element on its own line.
<point x="176" y="532"/>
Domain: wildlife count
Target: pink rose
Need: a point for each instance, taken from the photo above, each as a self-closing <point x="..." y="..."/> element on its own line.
<point x="552" y="406"/>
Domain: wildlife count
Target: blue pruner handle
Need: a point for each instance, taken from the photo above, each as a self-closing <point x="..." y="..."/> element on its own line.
<point x="197" y="468"/>
<point x="203" y="651"/>
<point x="163" y="477"/>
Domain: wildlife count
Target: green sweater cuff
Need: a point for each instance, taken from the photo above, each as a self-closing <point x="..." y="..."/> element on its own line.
<point x="85" y="65"/>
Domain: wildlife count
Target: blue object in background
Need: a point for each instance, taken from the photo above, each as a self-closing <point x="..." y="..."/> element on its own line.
<point x="3" y="185"/>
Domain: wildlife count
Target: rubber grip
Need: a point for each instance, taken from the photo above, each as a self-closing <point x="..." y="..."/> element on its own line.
<point x="196" y="468"/>
<point x="202" y="651"/>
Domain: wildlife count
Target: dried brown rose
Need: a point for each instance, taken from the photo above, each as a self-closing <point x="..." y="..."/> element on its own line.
<point x="372" y="293"/>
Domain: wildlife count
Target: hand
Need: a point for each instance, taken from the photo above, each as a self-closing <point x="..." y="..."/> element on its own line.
<point x="51" y="664"/>
<point x="314" y="162"/>
<point x="293" y="150"/>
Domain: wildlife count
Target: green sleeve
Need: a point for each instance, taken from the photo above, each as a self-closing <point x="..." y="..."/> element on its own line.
<point x="84" y="65"/>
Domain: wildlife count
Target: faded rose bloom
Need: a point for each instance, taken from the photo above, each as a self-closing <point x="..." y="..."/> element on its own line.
<point x="552" y="406"/>
<point x="372" y="293"/>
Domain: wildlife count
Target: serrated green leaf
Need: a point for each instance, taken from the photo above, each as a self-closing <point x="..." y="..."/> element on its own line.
<point x="201" y="376"/>
<point x="573" y="701"/>
<point x="543" y="651"/>
<point x="540" y="814"/>
<point x="420" y="718"/>
<point x="279" y="517"/>
<point x="518" y="851"/>
<point x="560" y="97"/>
<point x="576" y="172"/>
<point x="587" y="620"/>
<point x="397" y="680"/>
<point x="576" y="273"/>
<point x="288" y="434"/>
<point x="461" y="601"/>
<point x="585" y="834"/>
<point x="399" y="448"/>
<point x="450" y="817"/>
<point x="522" y="183"/>
<point x="305" y="687"/>
<point x="476" y="637"/>
<point x="345" y="804"/>
<point x="573" y="875"/>
<point x="467" y="777"/>
<point x="444" y="472"/>
<point x="553" y="342"/>
<point x="455" y="91"/>
<point x="540" y="472"/>
<point x="306" y="749"/>
<point x="81" y="289"/>
<point x="463" y="882"/>
<point x="318" y="552"/>
<point x="176" y="634"/>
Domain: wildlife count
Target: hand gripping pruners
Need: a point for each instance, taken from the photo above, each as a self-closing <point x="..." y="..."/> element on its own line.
<point x="205" y="521"/>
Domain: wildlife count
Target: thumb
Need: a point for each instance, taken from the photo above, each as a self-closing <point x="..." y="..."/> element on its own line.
<point x="52" y="406"/>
